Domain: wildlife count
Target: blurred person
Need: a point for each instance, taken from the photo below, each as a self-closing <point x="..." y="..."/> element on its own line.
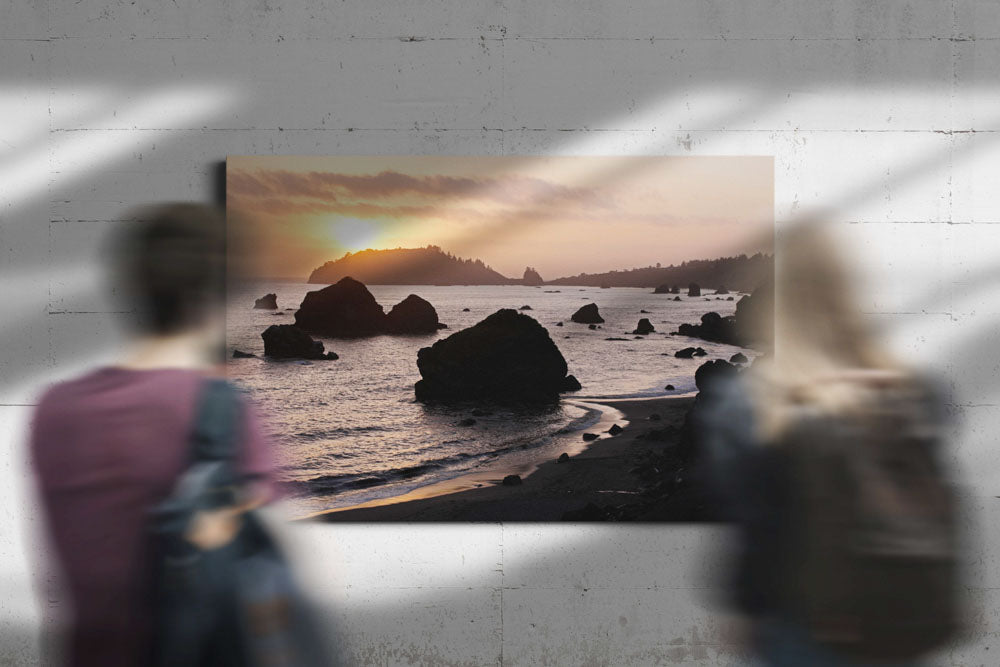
<point x="111" y="446"/>
<point x="826" y="455"/>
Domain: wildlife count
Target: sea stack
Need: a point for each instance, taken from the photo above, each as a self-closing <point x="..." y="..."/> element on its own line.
<point x="694" y="289"/>
<point x="267" y="302"/>
<point x="588" y="315"/>
<point x="412" y="315"/>
<point x="644" y="327"/>
<point x="345" y="309"/>
<point x="285" y="341"/>
<point x="532" y="278"/>
<point x="507" y="357"/>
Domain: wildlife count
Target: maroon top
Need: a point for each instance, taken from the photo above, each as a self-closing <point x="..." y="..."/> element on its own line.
<point x="106" y="448"/>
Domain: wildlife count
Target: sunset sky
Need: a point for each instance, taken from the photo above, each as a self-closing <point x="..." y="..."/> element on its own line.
<point x="561" y="215"/>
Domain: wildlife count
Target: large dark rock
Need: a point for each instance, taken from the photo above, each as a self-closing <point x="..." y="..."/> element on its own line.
<point x="267" y="302"/>
<point x="694" y="289"/>
<point x="588" y="315"/>
<point x="713" y="327"/>
<point x="644" y="327"/>
<point x="722" y="290"/>
<point x="662" y="289"/>
<point x="345" y="309"/>
<point x="506" y="357"/>
<point x="412" y="315"/>
<point x="285" y="341"/>
<point x="738" y="358"/>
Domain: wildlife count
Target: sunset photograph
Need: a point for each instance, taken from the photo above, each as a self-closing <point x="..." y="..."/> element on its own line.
<point x="493" y="338"/>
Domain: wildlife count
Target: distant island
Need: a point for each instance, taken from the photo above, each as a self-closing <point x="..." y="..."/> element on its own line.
<point x="740" y="273"/>
<point x="433" y="266"/>
<point x="409" y="266"/>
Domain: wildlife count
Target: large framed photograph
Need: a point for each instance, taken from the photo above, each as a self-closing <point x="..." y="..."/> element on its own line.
<point x="493" y="338"/>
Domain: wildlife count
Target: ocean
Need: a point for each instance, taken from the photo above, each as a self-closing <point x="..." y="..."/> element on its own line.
<point x="349" y="431"/>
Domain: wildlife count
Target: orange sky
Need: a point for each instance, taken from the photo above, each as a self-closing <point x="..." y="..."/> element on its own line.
<point x="561" y="215"/>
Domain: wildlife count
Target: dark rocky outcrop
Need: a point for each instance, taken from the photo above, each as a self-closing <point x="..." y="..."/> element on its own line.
<point x="722" y="290"/>
<point x="669" y="387"/>
<point x="644" y="327"/>
<point x="559" y="324"/>
<point x="677" y="298"/>
<point x="738" y="358"/>
<point x="615" y="429"/>
<point x="345" y="309"/>
<point x="512" y="480"/>
<point x="588" y="315"/>
<point x="563" y="458"/>
<point x="713" y="327"/>
<point x="267" y="302"/>
<point x="694" y="289"/>
<point x="711" y="372"/>
<point x="285" y="341"/>
<point x="465" y="310"/>
<point x="412" y="315"/>
<point x="506" y="357"/>
<point x="643" y="311"/>
<point x="662" y="289"/>
<point x="525" y="307"/>
<point x="587" y="437"/>
<point x="690" y="352"/>
<point x="532" y="277"/>
<point x="240" y="354"/>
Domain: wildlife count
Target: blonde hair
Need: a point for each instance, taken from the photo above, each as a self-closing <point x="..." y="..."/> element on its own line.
<point x="825" y="356"/>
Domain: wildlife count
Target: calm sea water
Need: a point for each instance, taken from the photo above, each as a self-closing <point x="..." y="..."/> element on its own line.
<point x="349" y="431"/>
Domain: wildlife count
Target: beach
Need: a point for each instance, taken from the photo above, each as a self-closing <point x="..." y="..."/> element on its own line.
<point x="608" y="472"/>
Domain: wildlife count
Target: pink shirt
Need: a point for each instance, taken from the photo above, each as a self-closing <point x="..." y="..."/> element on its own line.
<point x="107" y="447"/>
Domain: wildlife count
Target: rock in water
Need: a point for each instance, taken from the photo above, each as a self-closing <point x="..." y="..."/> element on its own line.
<point x="240" y="354"/>
<point x="285" y="341"/>
<point x="267" y="302"/>
<point x="738" y="358"/>
<point x="345" y="309"/>
<point x="677" y="298"/>
<point x="686" y="353"/>
<point x="563" y="458"/>
<point x="587" y="437"/>
<point x="512" y="480"/>
<point x="525" y="307"/>
<point x="412" y="315"/>
<point x="694" y="289"/>
<point x="644" y="327"/>
<point x="615" y="429"/>
<point x="722" y="290"/>
<point x="669" y="387"/>
<point x="713" y="327"/>
<point x="588" y="315"/>
<point x="507" y="357"/>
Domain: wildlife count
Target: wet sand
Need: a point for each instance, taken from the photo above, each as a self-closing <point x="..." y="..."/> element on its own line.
<point x="602" y="474"/>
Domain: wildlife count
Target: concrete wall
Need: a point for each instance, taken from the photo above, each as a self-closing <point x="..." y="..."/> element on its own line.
<point x="883" y="116"/>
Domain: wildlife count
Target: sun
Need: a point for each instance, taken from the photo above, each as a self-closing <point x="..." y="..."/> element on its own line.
<point x="354" y="234"/>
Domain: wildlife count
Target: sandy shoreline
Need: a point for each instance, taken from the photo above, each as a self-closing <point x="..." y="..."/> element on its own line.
<point x="604" y="473"/>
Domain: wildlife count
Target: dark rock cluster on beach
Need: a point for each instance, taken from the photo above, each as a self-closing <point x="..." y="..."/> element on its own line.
<point x="742" y="328"/>
<point x="506" y="357"/>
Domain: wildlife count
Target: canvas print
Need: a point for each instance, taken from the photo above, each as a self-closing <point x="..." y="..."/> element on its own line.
<point x="506" y="338"/>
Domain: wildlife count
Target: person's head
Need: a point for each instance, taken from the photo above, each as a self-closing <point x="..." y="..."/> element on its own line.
<point x="171" y="267"/>
<point x="820" y="335"/>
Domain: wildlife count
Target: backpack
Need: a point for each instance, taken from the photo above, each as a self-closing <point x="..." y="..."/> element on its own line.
<point x="238" y="604"/>
<point x="872" y="567"/>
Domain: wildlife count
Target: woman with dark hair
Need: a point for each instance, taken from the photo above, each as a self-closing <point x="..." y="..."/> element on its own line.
<point x="108" y="446"/>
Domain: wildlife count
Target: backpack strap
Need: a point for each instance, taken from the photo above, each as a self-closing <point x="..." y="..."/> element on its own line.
<point x="211" y="479"/>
